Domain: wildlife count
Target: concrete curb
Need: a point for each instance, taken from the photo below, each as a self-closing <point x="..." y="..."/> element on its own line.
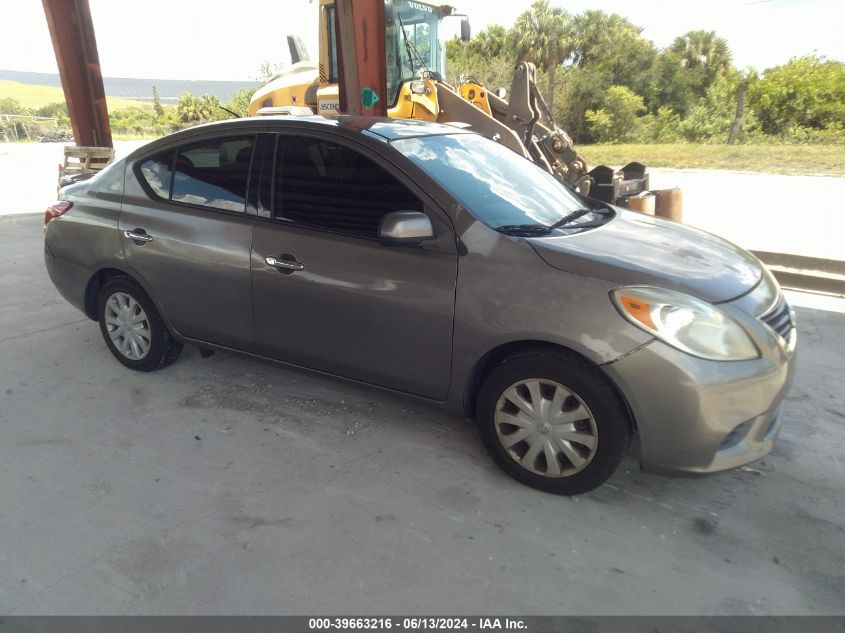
<point x="812" y="274"/>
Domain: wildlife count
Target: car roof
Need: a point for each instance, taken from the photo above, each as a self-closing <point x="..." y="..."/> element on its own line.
<point x="377" y="128"/>
<point x="387" y="129"/>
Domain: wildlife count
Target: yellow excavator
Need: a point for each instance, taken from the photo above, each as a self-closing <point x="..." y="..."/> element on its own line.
<point x="416" y="89"/>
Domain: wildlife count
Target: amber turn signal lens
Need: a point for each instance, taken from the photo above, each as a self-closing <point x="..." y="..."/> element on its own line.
<point x="638" y="309"/>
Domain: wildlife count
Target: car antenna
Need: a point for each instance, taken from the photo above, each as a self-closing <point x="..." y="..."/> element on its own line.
<point x="234" y="114"/>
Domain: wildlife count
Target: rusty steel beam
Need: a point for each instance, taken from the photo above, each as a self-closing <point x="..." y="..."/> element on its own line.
<point x="362" y="65"/>
<point x="72" y="32"/>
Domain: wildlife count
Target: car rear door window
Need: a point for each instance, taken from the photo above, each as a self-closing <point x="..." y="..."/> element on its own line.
<point x="157" y="172"/>
<point x="329" y="186"/>
<point x="214" y="173"/>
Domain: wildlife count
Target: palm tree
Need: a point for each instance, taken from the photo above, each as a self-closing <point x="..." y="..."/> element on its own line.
<point x="540" y="36"/>
<point x="188" y="108"/>
<point x="703" y="49"/>
<point x="594" y="33"/>
<point x="492" y="42"/>
<point x="210" y="106"/>
<point x="193" y="109"/>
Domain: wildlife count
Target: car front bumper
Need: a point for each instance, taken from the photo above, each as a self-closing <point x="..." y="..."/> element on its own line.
<point x="696" y="416"/>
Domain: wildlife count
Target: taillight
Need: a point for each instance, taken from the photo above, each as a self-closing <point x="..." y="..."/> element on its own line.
<point x="55" y="210"/>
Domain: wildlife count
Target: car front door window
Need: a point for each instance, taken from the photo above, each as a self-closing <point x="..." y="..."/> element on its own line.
<point x="324" y="185"/>
<point x="352" y="306"/>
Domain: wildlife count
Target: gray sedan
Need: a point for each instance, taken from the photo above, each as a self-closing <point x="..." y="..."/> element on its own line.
<point x="430" y="261"/>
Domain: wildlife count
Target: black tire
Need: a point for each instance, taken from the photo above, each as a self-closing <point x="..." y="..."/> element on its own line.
<point x="610" y="421"/>
<point x="163" y="347"/>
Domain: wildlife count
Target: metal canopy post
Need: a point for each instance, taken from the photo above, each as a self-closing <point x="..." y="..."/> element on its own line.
<point x="362" y="64"/>
<point x="72" y="32"/>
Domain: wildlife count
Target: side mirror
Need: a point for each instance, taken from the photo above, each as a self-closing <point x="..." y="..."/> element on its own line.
<point x="466" y="32"/>
<point x="404" y="228"/>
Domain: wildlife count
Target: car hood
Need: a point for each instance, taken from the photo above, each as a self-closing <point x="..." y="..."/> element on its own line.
<point x="639" y="249"/>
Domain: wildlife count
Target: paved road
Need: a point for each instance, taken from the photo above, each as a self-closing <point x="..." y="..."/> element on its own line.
<point x="801" y="215"/>
<point x="229" y="485"/>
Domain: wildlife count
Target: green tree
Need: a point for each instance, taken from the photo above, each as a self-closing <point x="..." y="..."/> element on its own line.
<point x="211" y="109"/>
<point x="806" y="92"/>
<point x="239" y="103"/>
<point x="606" y="50"/>
<point x="619" y="120"/>
<point x="540" y="35"/>
<point x="709" y="120"/>
<point x="703" y="49"/>
<point x="55" y="110"/>
<point x="685" y="70"/>
<point x="488" y="58"/>
<point x="11" y="106"/>
<point x="193" y="109"/>
<point x="188" y="108"/>
<point x="158" y="109"/>
<point x="492" y="41"/>
<point x="599" y="38"/>
<point x="664" y="126"/>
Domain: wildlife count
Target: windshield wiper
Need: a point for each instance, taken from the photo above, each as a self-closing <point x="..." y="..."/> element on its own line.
<point x="523" y="229"/>
<point x="569" y="217"/>
<point x="545" y="229"/>
<point x="408" y="46"/>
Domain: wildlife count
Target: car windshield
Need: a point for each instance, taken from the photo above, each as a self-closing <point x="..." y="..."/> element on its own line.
<point x="499" y="187"/>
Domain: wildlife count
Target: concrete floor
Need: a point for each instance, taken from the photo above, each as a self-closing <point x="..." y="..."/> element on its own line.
<point x="229" y="485"/>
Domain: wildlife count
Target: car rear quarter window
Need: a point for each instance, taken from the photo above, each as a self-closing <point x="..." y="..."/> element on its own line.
<point x="157" y="172"/>
<point x="329" y="186"/>
<point x="213" y="173"/>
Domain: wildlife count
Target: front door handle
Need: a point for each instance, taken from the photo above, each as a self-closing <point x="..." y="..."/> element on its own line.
<point x="138" y="235"/>
<point x="283" y="264"/>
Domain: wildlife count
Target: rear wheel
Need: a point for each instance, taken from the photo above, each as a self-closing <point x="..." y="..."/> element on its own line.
<point x="552" y="421"/>
<point x="132" y="327"/>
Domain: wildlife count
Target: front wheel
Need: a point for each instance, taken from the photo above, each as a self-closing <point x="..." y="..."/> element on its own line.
<point x="132" y="327"/>
<point x="552" y="421"/>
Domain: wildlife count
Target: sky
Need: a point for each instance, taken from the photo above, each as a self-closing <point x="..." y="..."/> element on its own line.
<point x="217" y="39"/>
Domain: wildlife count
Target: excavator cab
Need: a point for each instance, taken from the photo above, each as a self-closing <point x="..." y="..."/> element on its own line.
<point x="415" y="66"/>
<point x="414" y="52"/>
<point x="414" y="46"/>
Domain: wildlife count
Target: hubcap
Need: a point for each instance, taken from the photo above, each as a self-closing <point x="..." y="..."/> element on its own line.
<point x="128" y="326"/>
<point x="546" y="428"/>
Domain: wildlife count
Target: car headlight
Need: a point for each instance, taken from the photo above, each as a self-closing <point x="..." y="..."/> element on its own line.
<point x="689" y="324"/>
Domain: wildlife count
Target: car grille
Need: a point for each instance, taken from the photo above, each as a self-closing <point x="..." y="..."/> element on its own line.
<point x="780" y="319"/>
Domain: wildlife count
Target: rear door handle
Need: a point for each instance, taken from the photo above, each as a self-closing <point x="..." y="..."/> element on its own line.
<point x="138" y="235"/>
<point x="284" y="265"/>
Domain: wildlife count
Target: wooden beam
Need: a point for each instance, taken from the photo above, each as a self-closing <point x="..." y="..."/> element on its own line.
<point x="72" y="32"/>
<point x="362" y="64"/>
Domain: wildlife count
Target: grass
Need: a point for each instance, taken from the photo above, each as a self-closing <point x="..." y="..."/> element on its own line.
<point x="123" y="136"/>
<point x="34" y="97"/>
<point x="826" y="160"/>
